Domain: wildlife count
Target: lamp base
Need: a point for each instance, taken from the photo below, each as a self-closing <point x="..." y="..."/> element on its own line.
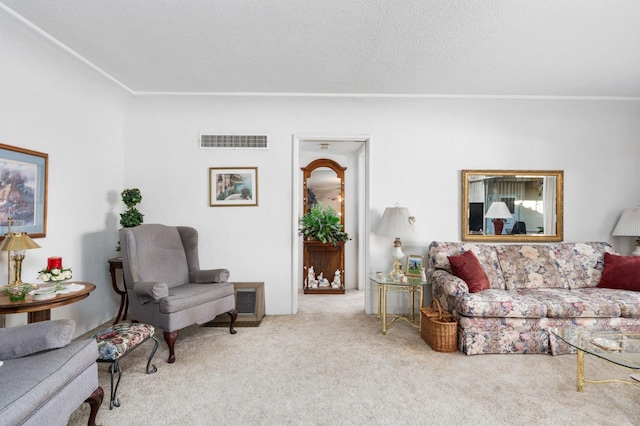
<point x="397" y="268"/>
<point x="397" y="254"/>
<point x="498" y="225"/>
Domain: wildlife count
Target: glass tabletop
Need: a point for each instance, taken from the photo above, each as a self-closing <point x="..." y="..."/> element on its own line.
<point x="389" y="280"/>
<point x="614" y="346"/>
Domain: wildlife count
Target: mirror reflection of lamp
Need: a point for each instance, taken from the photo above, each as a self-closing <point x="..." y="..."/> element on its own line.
<point x="498" y="211"/>
<point x="629" y="226"/>
<point x="396" y="222"/>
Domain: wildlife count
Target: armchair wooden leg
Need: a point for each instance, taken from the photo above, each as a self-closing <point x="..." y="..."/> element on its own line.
<point x="95" y="401"/>
<point x="170" y="337"/>
<point x="234" y="315"/>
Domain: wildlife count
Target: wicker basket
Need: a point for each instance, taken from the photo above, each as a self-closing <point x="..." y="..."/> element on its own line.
<point x="439" y="329"/>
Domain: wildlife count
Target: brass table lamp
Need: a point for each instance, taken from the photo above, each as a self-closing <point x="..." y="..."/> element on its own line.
<point x="17" y="243"/>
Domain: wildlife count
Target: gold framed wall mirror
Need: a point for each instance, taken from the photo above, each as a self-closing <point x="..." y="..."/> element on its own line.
<point x="512" y="205"/>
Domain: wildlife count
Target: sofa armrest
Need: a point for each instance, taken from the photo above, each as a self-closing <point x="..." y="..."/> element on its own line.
<point x="23" y="340"/>
<point x="205" y="276"/>
<point x="448" y="289"/>
<point x="148" y="291"/>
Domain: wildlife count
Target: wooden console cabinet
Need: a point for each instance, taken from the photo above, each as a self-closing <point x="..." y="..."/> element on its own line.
<point x="325" y="259"/>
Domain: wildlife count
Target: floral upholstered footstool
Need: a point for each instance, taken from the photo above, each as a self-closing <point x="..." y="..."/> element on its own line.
<point x="117" y="341"/>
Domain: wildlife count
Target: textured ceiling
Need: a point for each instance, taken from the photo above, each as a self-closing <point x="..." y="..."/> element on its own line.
<point x="418" y="47"/>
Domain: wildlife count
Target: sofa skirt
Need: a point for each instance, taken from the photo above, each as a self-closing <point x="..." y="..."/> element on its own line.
<point x="503" y="335"/>
<point x="529" y="335"/>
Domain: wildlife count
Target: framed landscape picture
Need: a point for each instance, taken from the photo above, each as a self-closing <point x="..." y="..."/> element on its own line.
<point x="233" y="186"/>
<point x="414" y="265"/>
<point x="23" y="191"/>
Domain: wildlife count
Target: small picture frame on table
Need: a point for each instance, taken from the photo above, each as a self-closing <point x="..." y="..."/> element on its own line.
<point x="414" y="265"/>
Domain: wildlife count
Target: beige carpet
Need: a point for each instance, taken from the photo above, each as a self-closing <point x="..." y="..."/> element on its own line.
<point x="330" y="365"/>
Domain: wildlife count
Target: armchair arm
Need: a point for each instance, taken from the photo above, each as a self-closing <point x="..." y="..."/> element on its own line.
<point x="209" y="276"/>
<point x="150" y="291"/>
<point x="23" y="340"/>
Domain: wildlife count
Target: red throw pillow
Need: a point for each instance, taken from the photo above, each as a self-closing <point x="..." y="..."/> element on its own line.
<point x="621" y="272"/>
<point x="467" y="266"/>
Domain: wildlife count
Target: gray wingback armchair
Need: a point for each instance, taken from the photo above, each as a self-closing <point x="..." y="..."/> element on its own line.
<point x="165" y="285"/>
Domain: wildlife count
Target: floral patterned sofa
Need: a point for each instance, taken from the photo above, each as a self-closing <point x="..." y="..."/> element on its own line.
<point x="532" y="289"/>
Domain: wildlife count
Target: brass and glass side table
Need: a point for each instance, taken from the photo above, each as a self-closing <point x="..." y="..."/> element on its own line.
<point x="388" y="284"/>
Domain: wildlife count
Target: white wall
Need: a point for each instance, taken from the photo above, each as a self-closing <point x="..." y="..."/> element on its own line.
<point x="51" y="103"/>
<point x="99" y="144"/>
<point x="418" y="147"/>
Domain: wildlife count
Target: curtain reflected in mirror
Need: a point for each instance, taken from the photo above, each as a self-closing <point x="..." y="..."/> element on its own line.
<point x="512" y="205"/>
<point x="324" y="186"/>
<point x="323" y="183"/>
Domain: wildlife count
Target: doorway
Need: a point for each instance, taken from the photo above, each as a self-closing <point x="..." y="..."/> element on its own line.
<point x="352" y="152"/>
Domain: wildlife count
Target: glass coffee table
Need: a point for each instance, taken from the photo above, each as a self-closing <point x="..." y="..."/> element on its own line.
<point x="619" y="348"/>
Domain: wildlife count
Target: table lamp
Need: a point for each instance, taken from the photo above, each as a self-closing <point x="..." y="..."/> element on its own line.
<point x="17" y="243"/>
<point x="629" y="226"/>
<point x="396" y="222"/>
<point x="498" y="211"/>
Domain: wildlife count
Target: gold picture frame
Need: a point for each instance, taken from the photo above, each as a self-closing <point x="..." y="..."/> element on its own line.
<point x="25" y="199"/>
<point x="535" y="199"/>
<point x="414" y="265"/>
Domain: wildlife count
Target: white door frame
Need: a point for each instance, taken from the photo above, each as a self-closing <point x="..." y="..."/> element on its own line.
<point x="364" y="225"/>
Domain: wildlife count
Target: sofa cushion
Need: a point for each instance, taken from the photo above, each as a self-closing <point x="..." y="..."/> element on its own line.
<point x="529" y="266"/>
<point x="565" y="303"/>
<point x="628" y="301"/>
<point x="486" y="254"/>
<point x="500" y="304"/>
<point x="467" y="267"/>
<point x="621" y="272"/>
<point x="581" y="263"/>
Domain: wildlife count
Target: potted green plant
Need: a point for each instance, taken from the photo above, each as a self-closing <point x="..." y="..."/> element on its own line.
<point x="132" y="216"/>
<point x="323" y="224"/>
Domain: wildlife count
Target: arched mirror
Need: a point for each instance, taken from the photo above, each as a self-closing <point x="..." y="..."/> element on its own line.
<point x="324" y="183"/>
<point x="512" y="205"/>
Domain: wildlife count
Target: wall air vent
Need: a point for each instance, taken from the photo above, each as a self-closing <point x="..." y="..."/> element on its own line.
<point x="209" y="141"/>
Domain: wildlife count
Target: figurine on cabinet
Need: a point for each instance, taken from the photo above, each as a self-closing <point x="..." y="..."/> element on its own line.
<point x="322" y="281"/>
<point x="336" y="280"/>
<point x="311" y="278"/>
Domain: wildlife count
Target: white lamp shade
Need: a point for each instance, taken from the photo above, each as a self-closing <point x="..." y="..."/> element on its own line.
<point x="498" y="210"/>
<point x="396" y="222"/>
<point x="629" y="223"/>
